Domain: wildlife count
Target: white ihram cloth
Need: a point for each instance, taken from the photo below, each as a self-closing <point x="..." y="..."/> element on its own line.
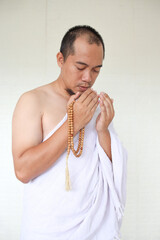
<point x="93" y="209"/>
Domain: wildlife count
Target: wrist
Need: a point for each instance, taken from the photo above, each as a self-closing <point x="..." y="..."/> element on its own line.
<point x="75" y="131"/>
<point x="103" y="132"/>
<point x="76" y="128"/>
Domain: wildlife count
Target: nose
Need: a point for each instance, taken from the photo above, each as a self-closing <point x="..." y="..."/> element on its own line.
<point x="86" y="77"/>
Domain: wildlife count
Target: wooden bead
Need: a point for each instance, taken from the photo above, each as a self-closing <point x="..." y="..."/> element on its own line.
<point x="79" y="150"/>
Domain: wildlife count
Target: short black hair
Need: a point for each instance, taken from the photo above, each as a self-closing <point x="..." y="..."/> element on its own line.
<point x="67" y="44"/>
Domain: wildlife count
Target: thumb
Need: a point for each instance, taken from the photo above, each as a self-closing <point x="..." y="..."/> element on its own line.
<point x="73" y="97"/>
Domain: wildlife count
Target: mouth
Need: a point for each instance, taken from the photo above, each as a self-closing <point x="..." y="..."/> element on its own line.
<point x="83" y="88"/>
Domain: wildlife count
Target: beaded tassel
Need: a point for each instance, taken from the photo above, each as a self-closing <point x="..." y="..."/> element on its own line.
<point x="67" y="175"/>
<point x="78" y="152"/>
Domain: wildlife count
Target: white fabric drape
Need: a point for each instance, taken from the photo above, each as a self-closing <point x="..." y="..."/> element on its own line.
<point x="93" y="209"/>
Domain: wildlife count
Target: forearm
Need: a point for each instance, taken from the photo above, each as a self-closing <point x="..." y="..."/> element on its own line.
<point x="38" y="159"/>
<point x="105" y="142"/>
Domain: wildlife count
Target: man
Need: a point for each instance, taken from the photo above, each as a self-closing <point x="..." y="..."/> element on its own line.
<point x="93" y="208"/>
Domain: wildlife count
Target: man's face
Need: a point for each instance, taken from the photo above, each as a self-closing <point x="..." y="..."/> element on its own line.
<point x="80" y="70"/>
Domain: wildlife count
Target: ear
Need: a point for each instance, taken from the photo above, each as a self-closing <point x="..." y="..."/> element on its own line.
<point x="60" y="59"/>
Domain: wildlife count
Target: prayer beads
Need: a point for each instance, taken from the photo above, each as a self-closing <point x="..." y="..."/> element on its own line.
<point x="78" y="152"/>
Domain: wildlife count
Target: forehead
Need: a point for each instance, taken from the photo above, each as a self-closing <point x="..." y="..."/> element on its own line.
<point x="83" y="51"/>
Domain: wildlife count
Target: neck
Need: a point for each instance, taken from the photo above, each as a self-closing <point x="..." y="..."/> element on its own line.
<point x="61" y="89"/>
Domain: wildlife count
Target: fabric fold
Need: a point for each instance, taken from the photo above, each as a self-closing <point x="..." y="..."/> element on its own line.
<point x="115" y="171"/>
<point x="94" y="207"/>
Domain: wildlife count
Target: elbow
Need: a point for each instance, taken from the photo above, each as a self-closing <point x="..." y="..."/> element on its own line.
<point x="22" y="177"/>
<point x="21" y="171"/>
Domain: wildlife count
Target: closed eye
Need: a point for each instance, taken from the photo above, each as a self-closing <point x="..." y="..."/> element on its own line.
<point x="80" y="68"/>
<point x="96" y="71"/>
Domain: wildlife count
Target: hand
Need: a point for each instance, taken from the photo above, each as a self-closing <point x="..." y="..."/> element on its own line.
<point x="84" y="108"/>
<point x="107" y="113"/>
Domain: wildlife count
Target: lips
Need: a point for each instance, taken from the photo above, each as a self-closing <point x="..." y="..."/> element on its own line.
<point x="82" y="88"/>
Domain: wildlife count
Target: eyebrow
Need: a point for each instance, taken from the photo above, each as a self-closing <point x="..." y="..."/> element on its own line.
<point x="85" y="64"/>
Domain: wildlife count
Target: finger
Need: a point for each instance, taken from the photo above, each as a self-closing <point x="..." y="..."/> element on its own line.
<point x="85" y="95"/>
<point x="110" y="106"/>
<point x="106" y="96"/>
<point x="73" y="97"/>
<point x="108" y="103"/>
<point x="93" y="103"/>
<point x="91" y="99"/>
<point x="103" y="110"/>
<point x="93" y="109"/>
<point x="76" y="96"/>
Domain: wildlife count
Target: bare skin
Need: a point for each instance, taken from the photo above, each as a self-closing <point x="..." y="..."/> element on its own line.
<point x="40" y="110"/>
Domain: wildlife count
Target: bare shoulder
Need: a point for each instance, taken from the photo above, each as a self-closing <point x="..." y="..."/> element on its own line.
<point x="32" y="100"/>
<point x="37" y="112"/>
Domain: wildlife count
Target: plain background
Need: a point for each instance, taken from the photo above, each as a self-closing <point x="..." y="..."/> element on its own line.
<point x="30" y="35"/>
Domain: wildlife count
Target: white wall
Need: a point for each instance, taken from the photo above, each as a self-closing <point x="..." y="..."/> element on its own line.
<point x="30" y="35"/>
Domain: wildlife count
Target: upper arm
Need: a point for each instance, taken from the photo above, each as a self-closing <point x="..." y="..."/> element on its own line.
<point x="26" y="124"/>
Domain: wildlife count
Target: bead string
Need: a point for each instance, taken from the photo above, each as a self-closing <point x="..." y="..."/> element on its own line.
<point x="78" y="152"/>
